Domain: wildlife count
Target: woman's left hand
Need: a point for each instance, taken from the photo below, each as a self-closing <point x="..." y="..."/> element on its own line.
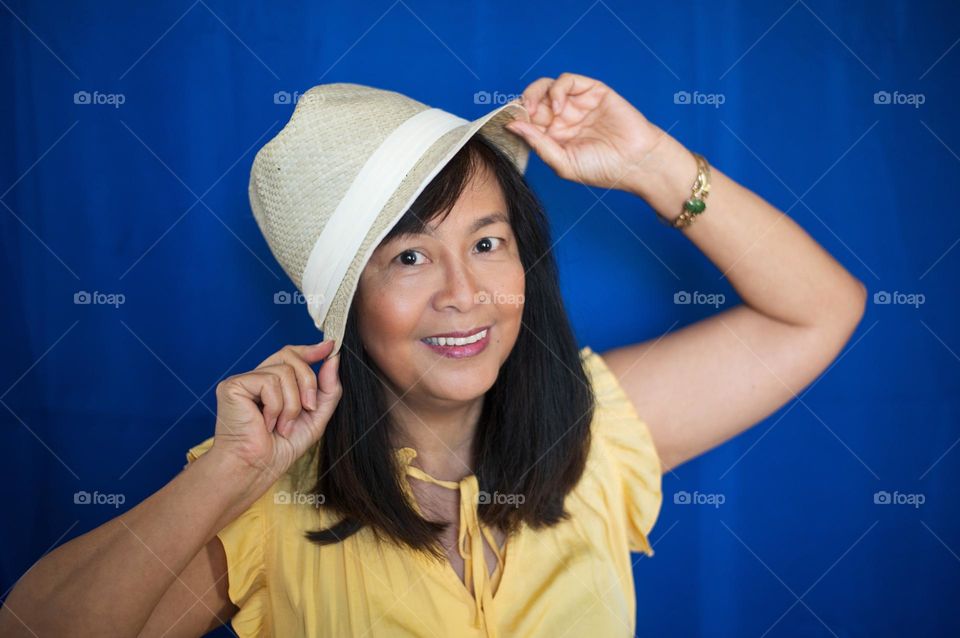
<point x="586" y="132"/>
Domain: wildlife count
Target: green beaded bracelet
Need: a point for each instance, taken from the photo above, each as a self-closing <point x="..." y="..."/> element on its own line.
<point x="696" y="203"/>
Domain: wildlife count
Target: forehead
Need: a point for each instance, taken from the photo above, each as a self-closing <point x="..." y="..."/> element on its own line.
<point x="481" y="196"/>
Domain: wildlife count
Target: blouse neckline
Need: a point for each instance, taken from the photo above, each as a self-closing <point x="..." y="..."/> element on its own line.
<point x="469" y="541"/>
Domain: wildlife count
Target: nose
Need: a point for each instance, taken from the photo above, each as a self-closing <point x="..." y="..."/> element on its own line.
<point x="459" y="287"/>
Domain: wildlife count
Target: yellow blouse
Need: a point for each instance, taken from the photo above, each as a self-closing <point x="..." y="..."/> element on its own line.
<point x="562" y="580"/>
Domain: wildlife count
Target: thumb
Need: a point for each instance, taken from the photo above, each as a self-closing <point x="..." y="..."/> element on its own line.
<point x="328" y="378"/>
<point x="545" y="146"/>
<point x="315" y="352"/>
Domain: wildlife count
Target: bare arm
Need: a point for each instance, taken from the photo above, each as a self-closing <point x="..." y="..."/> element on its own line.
<point x="160" y="566"/>
<point x="197" y="602"/>
<point x="703" y="384"/>
<point x="111" y="579"/>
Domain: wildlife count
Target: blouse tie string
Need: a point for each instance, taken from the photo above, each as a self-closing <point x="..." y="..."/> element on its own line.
<point x="470" y="546"/>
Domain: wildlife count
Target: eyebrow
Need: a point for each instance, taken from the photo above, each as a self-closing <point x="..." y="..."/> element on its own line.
<point x="486" y="220"/>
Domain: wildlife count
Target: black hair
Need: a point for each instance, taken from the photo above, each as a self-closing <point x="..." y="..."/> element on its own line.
<point x="534" y="429"/>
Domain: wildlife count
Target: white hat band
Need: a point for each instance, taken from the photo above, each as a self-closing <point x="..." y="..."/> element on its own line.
<point x="369" y="192"/>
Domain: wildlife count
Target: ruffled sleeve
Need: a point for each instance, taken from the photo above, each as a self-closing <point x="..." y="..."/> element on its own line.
<point x="626" y="441"/>
<point x="244" y="540"/>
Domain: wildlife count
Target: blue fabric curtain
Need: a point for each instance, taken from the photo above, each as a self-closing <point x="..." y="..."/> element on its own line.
<point x="128" y="134"/>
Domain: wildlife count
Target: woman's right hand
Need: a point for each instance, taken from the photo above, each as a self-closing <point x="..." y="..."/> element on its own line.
<point x="268" y="417"/>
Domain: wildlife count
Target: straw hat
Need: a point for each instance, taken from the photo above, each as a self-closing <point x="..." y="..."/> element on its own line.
<point x="346" y="167"/>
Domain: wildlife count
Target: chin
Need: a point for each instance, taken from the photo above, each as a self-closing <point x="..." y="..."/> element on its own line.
<point x="466" y="385"/>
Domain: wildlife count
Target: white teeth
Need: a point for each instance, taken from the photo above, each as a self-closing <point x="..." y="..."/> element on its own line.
<point x="450" y="341"/>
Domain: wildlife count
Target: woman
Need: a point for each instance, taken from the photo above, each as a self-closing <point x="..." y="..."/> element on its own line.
<point x="570" y="475"/>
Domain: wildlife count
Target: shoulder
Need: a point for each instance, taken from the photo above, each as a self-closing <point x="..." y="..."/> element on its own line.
<point x="612" y="402"/>
<point x="623" y="464"/>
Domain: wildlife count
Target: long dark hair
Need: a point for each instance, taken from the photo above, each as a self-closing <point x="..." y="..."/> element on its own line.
<point x="534" y="429"/>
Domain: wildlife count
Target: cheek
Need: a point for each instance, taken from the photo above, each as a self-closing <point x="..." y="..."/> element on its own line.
<point x="509" y="292"/>
<point x="514" y="280"/>
<point x="389" y="310"/>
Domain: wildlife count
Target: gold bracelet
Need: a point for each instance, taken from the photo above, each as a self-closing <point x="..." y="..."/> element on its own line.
<point x="696" y="203"/>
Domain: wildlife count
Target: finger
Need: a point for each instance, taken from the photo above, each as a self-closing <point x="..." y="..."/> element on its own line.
<point x="532" y="99"/>
<point x="314" y="352"/>
<point x="545" y="146"/>
<point x="310" y="353"/>
<point x="292" y="405"/>
<point x="300" y="358"/>
<point x="309" y="432"/>
<point x="568" y="84"/>
<point x="329" y="377"/>
<point x="262" y="387"/>
<point x="271" y="396"/>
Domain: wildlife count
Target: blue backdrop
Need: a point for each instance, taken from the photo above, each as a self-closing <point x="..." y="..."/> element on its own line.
<point x="128" y="137"/>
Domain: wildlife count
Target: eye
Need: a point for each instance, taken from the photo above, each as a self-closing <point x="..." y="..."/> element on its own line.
<point x="488" y="240"/>
<point x="405" y="257"/>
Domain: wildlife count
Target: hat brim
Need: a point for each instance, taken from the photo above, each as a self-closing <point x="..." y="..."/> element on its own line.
<point x="440" y="153"/>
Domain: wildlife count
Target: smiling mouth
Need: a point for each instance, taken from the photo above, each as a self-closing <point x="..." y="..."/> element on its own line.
<point x="461" y="346"/>
<point x="459" y="341"/>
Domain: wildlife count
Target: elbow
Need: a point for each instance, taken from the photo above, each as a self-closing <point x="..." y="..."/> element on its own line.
<point x="860" y="302"/>
<point x="845" y="315"/>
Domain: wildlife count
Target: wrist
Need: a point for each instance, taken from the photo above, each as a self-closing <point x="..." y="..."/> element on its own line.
<point x="237" y="483"/>
<point x="664" y="177"/>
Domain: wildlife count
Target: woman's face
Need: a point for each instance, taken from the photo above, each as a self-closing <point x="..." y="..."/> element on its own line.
<point x="462" y="277"/>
